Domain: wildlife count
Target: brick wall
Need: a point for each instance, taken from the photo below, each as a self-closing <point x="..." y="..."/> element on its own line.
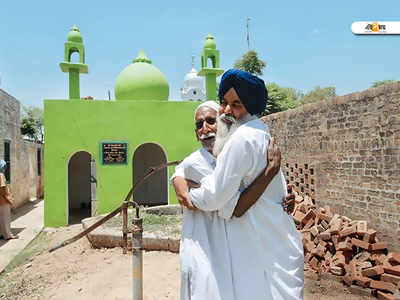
<point x="25" y="183"/>
<point x="352" y="144"/>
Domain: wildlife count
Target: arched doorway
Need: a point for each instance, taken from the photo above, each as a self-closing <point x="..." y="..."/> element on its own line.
<point x="154" y="191"/>
<point x="82" y="187"/>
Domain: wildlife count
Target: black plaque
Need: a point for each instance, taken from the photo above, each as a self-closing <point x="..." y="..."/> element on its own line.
<point x="114" y="153"/>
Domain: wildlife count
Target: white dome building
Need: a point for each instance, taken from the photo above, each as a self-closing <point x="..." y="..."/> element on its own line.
<point x="193" y="86"/>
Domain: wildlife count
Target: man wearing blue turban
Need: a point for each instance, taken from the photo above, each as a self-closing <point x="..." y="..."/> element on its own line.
<point x="265" y="247"/>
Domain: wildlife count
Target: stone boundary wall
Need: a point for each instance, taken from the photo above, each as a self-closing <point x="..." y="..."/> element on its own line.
<point x="352" y="143"/>
<point x="25" y="182"/>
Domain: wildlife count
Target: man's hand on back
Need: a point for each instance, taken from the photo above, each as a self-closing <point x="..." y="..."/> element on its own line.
<point x="289" y="201"/>
<point x="274" y="159"/>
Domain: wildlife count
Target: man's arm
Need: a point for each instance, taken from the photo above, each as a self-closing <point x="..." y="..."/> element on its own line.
<point x="254" y="191"/>
<point x="181" y="187"/>
<point x="221" y="186"/>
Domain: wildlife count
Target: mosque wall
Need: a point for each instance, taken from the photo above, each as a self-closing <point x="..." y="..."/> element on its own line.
<point x="352" y="143"/>
<point x="75" y="125"/>
<point x="25" y="181"/>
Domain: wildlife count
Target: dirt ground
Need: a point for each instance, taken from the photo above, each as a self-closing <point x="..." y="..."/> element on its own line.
<point x="79" y="272"/>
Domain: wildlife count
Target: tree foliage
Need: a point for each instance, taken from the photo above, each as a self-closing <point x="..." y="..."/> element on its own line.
<point x="318" y="94"/>
<point x="382" y="82"/>
<point x="281" y="98"/>
<point x="32" y="123"/>
<point x="250" y="63"/>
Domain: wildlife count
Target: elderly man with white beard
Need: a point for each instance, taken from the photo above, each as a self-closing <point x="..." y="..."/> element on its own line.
<point x="265" y="248"/>
<point x="205" y="261"/>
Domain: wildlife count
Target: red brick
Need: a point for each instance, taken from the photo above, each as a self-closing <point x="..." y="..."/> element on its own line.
<point x="335" y="224"/>
<point x="338" y="260"/>
<point x="370" y="235"/>
<point x="385" y="296"/>
<point x="390" y="278"/>
<point x="379" y="258"/>
<point x="309" y="246"/>
<point x="360" y="244"/>
<point x="306" y="235"/>
<point x="331" y="247"/>
<point x="394" y="270"/>
<point x="372" y="271"/>
<point x="320" y="228"/>
<point x="335" y="240"/>
<point x="344" y="246"/>
<point x="309" y="224"/>
<point x="346" y="219"/>
<point x="363" y="281"/>
<point x="314" y="263"/>
<point x="394" y="257"/>
<point x="325" y="224"/>
<point x="314" y="231"/>
<point x="383" y="286"/>
<point x="298" y="216"/>
<point x="361" y="227"/>
<point x="378" y="246"/>
<point x="309" y="215"/>
<point x="348" y="279"/>
<point x="325" y="217"/>
<point x="348" y="231"/>
<point x="318" y="251"/>
<point x="353" y="270"/>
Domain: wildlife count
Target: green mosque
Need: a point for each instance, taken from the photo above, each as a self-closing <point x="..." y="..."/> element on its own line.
<point x="96" y="150"/>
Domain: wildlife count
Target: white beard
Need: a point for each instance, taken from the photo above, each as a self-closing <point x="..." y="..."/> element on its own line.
<point x="224" y="131"/>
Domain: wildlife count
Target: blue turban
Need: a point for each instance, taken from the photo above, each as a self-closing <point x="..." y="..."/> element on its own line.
<point x="250" y="89"/>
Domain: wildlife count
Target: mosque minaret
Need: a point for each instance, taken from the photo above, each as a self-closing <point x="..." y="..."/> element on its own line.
<point x="193" y="86"/>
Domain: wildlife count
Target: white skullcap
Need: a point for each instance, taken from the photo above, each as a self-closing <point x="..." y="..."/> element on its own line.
<point x="210" y="104"/>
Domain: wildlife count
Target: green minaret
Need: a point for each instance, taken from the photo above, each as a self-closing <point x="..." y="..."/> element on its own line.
<point x="210" y="72"/>
<point x="74" y="44"/>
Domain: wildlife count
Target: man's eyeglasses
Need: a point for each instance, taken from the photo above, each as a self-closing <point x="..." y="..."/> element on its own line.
<point x="209" y="120"/>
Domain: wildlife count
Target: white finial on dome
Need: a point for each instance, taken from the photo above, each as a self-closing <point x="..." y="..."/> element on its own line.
<point x="193" y="86"/>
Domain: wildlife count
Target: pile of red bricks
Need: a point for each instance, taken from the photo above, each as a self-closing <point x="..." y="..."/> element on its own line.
<point x="347" y="248"/>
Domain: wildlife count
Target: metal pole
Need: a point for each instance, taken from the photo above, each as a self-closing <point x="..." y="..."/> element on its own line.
<point x="137" y="258"/>
<point x="124" y="227"/>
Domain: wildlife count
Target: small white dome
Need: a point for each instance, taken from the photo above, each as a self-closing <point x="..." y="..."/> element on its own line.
<point x="192" y="80"/>
<point x="193" y="87"/>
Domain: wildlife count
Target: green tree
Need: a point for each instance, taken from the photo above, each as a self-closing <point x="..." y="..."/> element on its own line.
<point x="32" y="123"/>
<point x="319" y="94"/>
<point x="281" y="98"/>
<point x="250" y="63"/>
<point x="382" y="82"/>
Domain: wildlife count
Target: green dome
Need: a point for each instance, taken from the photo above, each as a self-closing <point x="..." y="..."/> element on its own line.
<point x="141" y="81"/>
<point x="210" y="42"/>
<point x="74" y="35"/>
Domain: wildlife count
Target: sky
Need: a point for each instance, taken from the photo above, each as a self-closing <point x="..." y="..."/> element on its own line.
<point x="305" y="43"/>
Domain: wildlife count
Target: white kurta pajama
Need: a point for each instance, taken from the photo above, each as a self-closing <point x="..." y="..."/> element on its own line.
<point x="265" y="247"/>
<point x="206" y="272"/>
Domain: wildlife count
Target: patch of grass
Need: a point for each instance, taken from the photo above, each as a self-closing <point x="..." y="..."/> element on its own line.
<point x="166" y="224"/>
<point x="34" y="247"/>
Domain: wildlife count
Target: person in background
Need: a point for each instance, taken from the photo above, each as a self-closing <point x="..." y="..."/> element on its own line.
<point x="6" y="201"/>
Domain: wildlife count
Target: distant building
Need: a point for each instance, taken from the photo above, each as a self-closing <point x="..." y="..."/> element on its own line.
<point x="24" y="158"/>
<point x="193" y="86"/>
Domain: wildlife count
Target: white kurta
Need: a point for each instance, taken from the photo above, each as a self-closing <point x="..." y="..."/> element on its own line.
<point x="204" y="254"/>
<point x="265" y="247"/>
